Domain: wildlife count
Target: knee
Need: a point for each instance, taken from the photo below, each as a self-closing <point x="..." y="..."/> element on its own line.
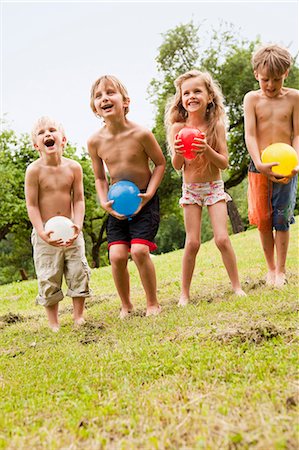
<point x="139" y="254"/>
<point x="222" y="242"/>
<point x="192" y="245"/>
<point x="118" y="259"/>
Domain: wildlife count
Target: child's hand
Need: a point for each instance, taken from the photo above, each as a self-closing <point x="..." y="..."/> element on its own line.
<point x="200" y="145"/>
<point x="284" y="180"/>
<point x="107" y="206"/>
<point x="294" y="172"/>
<point x="47" y="238"/>
<point x="178" y="146"/>
<point x="77" y="230"/>
<point x="266" y="169"/>
<point x="279" y="179"/>
<point x="145" y="198"/>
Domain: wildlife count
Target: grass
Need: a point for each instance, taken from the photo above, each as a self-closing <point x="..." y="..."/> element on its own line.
<point x="218" y="374"/>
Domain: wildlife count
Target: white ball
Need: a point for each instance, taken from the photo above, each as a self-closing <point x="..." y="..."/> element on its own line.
<point x="61" y="227"/>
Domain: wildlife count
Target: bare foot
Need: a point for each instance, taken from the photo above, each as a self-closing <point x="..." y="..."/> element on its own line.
<point x="125" y="312"/>
<point x="240" y="292"/>
<point x="79" y="322"/>
<point x="183" y="301"/>
<point x="153" y="310"/>
<point x="54" y="328"/>
<point x="270" y="278"/>
<point x="280" y="280"/>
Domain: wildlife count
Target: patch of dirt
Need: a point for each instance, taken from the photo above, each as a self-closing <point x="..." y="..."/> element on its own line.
<point x="11" y="318"/>
<point x="90" y="332"/>
<point x="250" y="284"/>
<point x="293" y="400"/>
<point x="256" y="333"/>
<point x="92" y="326"/>
<point x="89" y="340"/>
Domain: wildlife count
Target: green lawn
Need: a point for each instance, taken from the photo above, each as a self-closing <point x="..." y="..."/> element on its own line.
<point x="218" y="374"/>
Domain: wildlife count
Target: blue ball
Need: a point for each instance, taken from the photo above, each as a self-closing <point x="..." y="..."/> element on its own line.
<point x="125" y="196"/>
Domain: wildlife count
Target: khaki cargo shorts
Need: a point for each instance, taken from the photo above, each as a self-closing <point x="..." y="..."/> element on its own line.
<point x="51" y="263"/>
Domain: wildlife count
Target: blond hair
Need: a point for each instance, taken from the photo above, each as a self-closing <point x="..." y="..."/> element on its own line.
<point x="116" y="83"/>
<point x="215" y="113"/>
<point x="42" y="122"/>
<point x="276" y="59"/>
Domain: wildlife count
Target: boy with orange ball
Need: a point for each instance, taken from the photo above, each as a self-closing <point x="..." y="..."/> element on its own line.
<point x="271" y="115"/>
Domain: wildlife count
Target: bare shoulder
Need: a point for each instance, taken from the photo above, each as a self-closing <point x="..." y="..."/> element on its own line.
<point x="252" y="96"/>
<point x="33" y="167"/>
<point x="74" y="165"/>
<point x="176" y="127"/>
<point x="220" y="129"/>
<point x="141" y="134"/>
<point x="292" y="93"/>
<point x="139" y="130"/>
<point x="94" y="141"/>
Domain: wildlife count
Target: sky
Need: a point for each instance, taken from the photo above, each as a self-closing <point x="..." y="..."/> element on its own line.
<point x="52" y="52"/>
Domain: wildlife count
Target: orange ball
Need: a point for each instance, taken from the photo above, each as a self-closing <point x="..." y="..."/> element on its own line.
<point x="283" y="154"/>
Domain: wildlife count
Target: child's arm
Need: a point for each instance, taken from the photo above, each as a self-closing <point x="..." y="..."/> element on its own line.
<point x="295" y="140"/>
<point x="101" y="181"/>
<point x="217" y="156"/>
<point x="177" y="152"/>
<point x="78" y="201"/>
<point x="155" y="154"/>
<point x="251" y="136"/>
<point x="32" y="204"/>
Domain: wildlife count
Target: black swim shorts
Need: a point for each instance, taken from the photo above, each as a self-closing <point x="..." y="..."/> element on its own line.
<point x="140" y="229"/>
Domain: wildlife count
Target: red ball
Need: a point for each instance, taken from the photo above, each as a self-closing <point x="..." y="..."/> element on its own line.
<point x="187" y="136"/>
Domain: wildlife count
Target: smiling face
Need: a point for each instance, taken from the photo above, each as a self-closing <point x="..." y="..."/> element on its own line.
<point x="108" y="100"/>
<point x="270" y="85"/>
<point x="48" y="137"/>
<point x="194" y="94"/>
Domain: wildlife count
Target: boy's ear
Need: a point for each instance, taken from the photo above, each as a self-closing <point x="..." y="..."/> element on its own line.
<point x="256" y="75"/>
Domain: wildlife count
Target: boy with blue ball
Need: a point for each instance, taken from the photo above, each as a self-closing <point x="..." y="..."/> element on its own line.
<point x="126" y="149"/>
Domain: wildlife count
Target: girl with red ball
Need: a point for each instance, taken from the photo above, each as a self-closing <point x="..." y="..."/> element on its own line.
<point x="197" y="109"/>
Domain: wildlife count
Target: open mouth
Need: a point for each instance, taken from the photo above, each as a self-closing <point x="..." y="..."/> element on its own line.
<point x="49" y="142"/>
<point x="107" y="107"/>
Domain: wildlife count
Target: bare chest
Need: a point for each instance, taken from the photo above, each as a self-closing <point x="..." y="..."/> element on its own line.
<point x="56" y="180"/>
<point x="274" y="113"/>
<point x="115" y="151"/>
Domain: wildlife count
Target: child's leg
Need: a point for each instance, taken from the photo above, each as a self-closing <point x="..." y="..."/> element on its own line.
<point x="141" y="257"/>
<point x="118" y="254"/>
<point x="218" y="216"/>
<point x="283" y="203"/>
<point x="52" y="314"/>
<point x="267" y="240"/>
<point x="78" y="310"/>
<point x="192" y="220"/>
<point x="281" y="244"/>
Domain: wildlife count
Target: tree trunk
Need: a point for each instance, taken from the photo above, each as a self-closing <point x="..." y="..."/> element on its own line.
<point x="95" y="256"/>
<point x="23" y="274"/>
<point x="97" y="244"/>
<point x="235" y="218"/>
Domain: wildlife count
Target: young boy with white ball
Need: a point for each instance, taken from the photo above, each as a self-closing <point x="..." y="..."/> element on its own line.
<point x="54" y="187"/>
